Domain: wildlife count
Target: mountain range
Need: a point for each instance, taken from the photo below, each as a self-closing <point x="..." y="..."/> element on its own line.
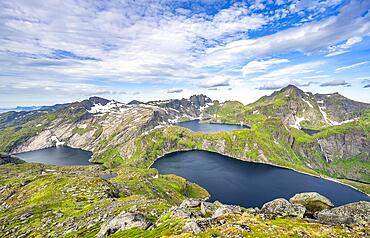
<point x="324" y="135"/>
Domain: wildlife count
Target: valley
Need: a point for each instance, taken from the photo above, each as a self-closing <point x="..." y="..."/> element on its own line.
<point x="126" y="139"/>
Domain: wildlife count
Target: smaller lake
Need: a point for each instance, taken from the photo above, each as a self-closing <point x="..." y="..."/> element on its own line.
<point x="310" y="131"/>
<point x="60" y="155"/>
<point x="198" y="126"/>
<point x="232" y="181"/>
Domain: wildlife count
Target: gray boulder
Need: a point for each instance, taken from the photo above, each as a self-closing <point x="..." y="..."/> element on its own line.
<point x="180" y="212"/>
<point x="280" y="207"/>
<point x="357" y="213"/>
<point x="226" y="209"/>
<point x="122" y="222"/>
<point x="190" y="202"/>
<point x="192" y="227"/>
<point x="206" y="208"/>
<point x="312" y="201"/>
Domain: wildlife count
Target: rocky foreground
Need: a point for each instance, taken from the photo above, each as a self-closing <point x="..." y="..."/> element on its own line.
<point x="53" y="201"/>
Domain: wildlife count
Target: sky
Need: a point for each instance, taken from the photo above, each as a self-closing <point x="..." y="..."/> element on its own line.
<point x="66" y="50"/>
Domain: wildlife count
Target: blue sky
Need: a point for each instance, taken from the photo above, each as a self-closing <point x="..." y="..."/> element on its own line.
<point x="59" y="51"/>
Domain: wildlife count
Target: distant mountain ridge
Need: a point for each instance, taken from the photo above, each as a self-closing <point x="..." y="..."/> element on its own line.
<point x="118" y="132"/>
<point x="304" y="109"/>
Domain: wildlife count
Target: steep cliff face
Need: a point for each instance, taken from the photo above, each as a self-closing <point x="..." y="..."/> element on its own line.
<point x="339" y="108"/>
<point x="341" y="151"/>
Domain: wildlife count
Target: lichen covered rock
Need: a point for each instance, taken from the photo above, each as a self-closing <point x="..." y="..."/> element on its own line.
<point x="357" y="213"/>
<point x="312" y="201"/>
<point x="280" y="207"/>
<point x="123" y="222"/>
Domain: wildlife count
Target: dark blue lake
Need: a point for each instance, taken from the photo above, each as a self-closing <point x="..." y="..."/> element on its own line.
<point x="198" y="126"/>
<point x="60" y="155"/>
<point x="232" y="181"/>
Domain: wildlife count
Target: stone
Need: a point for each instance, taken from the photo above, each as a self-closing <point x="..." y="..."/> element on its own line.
<point x="192" y="227"/>
<point x="357" y="213"/>
<point x="180" y="212"/>
<point x="280" y="207"/>
<point x="122" y="222"/>
<point x="312" y="201"/>
<point x="190" y="202"/>
<point x="206" y="208"/>
<point x="226" y="209"/>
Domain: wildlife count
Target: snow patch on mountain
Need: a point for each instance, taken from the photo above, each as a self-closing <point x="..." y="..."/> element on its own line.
<point x="309" y="104"/>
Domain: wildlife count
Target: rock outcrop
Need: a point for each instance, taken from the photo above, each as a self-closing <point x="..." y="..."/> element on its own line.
<point x="281" y="207"/>
<point x="9" y="159"/>
<point x="123" y="221"/>
<point x="357" y="213"/>
<point x="312" y="201"/>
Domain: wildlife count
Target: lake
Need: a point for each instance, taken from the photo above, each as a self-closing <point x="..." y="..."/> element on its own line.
<point x="248" y="184"/>
<point x="60" y="155"/>
<point x="310" y="131"/>
<point x="198" y="126"/>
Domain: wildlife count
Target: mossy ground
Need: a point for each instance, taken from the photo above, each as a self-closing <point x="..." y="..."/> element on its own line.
<point x="40" y="200"/>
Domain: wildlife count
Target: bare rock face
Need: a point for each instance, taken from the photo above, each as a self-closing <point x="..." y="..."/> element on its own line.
<point x="280" y="207"/>
<point x="123" y="222"/>
<point x="357" y="213"/>
<point x="312" y="201"/>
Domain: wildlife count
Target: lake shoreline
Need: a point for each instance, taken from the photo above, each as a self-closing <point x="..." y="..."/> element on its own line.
<point x="265" y="163"/>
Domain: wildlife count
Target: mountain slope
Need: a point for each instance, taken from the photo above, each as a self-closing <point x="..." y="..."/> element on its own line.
<point x="115" y="132"/>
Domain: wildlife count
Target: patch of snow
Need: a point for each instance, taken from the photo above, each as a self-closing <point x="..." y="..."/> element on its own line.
<point x="309" y="104"/>
<point x="98" y="108"/>
<point x="321" y="102"/>
<point x="298" y="121"/>
<point x="255" y="112"/>
<point x="324" y="114"/>
<point x="56" y="140"/>
<point x="343" y="122"/>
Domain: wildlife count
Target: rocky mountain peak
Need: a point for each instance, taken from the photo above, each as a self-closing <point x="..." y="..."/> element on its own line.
<point x="92" y="101"/>
<point x="200" y="100"/>
<point x="134" y="102"/>
<point x="293" y="91"/>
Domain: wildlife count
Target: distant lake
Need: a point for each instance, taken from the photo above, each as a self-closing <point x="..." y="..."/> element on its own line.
<point x="310" y="131"/>
<point x="198" y="126"/>
<point x="248" y="184"/>
<point x="60" y="155"/>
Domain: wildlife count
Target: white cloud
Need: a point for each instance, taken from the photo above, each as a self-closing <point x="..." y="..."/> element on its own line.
<point x="217" y="81"/>
<point x="350" y="22"/>
<point x="335" y="53"/>
<point x="290" y="72"/>
<point x="137" y="42"/>
<point x="317" y="76"/>
<point x="175" y="90"/>
<point x="338" y="82"/>
<point x="278" y="84"/>
<point x="257" y="66"/>
<point x="342" y="48"/>
<point x="351" y="66"/>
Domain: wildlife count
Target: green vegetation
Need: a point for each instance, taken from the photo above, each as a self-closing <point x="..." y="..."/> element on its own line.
<point x="50" y="200"/>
